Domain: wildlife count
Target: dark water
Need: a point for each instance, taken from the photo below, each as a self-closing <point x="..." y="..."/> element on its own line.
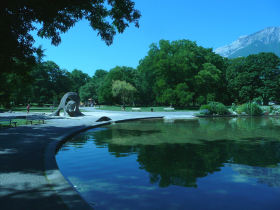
<point x="210" y="163"/>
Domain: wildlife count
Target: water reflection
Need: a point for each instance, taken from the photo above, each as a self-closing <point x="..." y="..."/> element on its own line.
<point x="269" y="176"/>
<point x="178" y="153"/>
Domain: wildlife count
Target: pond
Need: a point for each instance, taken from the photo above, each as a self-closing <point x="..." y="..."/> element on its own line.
<point x="205" y="163"/>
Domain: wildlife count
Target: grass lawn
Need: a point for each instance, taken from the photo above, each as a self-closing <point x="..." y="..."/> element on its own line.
<point x="148" y="109"/>
<point x="32" y="109"/>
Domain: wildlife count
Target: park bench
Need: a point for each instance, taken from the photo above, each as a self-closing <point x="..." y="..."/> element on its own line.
<point x="4" y="120"/>
<point x="168" y="109"/>
<point x="136" y="109"/>
<point x="31" y="118"/>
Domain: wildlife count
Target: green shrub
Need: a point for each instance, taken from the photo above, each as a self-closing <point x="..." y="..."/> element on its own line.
<point x="218" y="108"/>
<point x="256" y="109"/>
<point x="276" y="110"/>
<point x="221" y="109"/>
<point x="233" y="107"/>
<point x="239" y="110"/>
<point x="213" y="106"/>
<point x="249" y="108"/>
<point x="271" y="109"/>
<point x="205" y="107"/>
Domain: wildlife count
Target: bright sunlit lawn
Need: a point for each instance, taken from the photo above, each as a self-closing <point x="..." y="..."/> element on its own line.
<point x="32" y="109"/>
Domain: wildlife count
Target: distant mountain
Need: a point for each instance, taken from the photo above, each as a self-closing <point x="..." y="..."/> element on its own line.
<point x="266" y="40"/>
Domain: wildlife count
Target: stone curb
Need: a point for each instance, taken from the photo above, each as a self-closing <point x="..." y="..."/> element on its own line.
<point x="57" y="180"/>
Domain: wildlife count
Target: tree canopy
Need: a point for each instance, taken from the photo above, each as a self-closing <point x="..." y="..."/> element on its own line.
<point x="171" y="65"/>
<point x="122" y="73"/>
<point x="122" y="89"/>
<point x="51" y="18"/>
<point x="255" y="76"/>
<point x="56" y="17"/>
<point x="177" y="73"/>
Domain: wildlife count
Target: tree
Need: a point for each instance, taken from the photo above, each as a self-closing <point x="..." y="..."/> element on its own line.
<point x="40" y="54"/>
<point x="169" y="64"/>
<point x="50" y="83"/>
<point x="99" y="74"/>
<point x="207" y="80"/>
<point x="79" y="79"/>
<point x="184" y="96"/>
<point x="97" y="80"/>
<point x="17" y="20"/>
<point x="255" y="76"/>
<point x="56" y="17"/>
<point x="123" y="89"/>
<point x="122" y="73"/>
<point x="169" y="96"/>
<point x="88" y="91"/>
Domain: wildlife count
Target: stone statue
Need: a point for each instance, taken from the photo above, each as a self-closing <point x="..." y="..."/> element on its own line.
<point x="71" y="109"/>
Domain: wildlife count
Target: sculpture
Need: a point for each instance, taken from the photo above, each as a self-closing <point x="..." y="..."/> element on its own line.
<point x="71" y="109"/>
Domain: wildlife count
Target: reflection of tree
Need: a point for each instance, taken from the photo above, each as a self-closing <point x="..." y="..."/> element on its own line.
<point x="254" y="152"/>
<point x="122" y="133"/>
<point x="179" y="153"/>
<point x="180" y="164"/>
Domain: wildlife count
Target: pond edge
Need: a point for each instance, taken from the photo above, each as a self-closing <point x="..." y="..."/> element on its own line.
<point x="67" y="193"/>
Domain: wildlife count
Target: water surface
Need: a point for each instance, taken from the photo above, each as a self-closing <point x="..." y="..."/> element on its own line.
<point x="206" y="163"/>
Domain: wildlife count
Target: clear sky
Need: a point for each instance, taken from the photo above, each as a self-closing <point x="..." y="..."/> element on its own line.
<point x="211" y="23"/>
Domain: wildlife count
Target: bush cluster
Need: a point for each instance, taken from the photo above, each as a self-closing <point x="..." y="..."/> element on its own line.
<point x="214" y="108"/>
<point x="249" y="108"/>
<point x="273" y="110"/>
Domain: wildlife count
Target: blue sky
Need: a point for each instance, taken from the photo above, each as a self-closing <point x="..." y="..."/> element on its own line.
<point x="211" y="23"/>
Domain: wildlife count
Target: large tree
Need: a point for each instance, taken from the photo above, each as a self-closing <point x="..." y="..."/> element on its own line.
<point x="79" y="79"/>
<point x="122" y="73"/>
<point x="170" y="64"/>
<point x="90" y="89"/>
<point x="254" y="76"/>
<point x="50" y="83"/>
<point x="123" y="89"/>
<point x="17" y="20"/>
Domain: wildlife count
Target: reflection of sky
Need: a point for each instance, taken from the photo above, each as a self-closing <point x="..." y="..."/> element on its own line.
<point x="231" y="190"/>
<point x="269" y="175"/>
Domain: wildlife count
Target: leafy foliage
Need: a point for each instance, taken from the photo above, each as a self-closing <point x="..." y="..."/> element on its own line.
<point x="205" y="107"/>
<point x="254" y="76"/>
<point x="87" y="91"/>
<point x="233" y="107"/>
<point x="123" y="89"/>
<point x="54" y="18"/>
<point x="218" y="108"/>
<point x="249" y="108"/>
<point x="124" y="73"/>
<point x="182" y="63"/>
<point x="79" y="79"/>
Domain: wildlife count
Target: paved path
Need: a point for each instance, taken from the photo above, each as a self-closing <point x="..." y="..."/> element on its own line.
<point x="29" y="177"/>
